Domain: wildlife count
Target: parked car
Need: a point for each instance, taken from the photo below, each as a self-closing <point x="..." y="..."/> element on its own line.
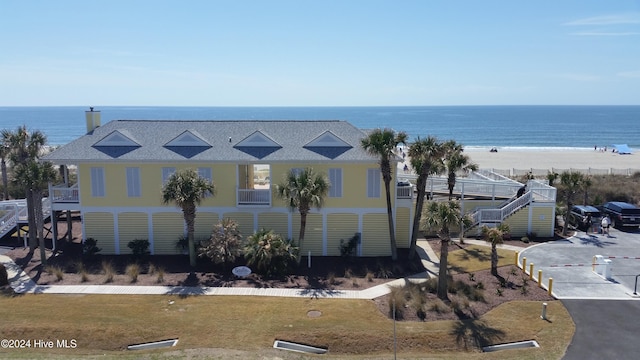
<point x="579" y="215"/>
<point x="622" y="214"/>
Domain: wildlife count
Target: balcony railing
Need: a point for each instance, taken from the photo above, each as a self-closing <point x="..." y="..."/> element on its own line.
<point x="254" y="197"/>
<point x="64" y="194"/>
<point x="404" y="192"/>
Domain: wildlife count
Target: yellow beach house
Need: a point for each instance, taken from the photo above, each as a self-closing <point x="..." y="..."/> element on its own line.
<point x="122" y="165"/>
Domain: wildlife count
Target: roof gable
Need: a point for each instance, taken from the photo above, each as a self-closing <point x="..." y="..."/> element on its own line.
<point x="258" y="145"/>
<point x="116" y="144"/>
<point x="328" y="145"/>
<point x="188" y="144"/>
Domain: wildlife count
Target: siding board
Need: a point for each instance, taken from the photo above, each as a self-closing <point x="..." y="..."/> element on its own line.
<point x="168" y="227"/>
<point x="100" y="226"/>
<point x="340" y="226"/>
<point x="375" y="235"/>
<point x="132" y="226"/>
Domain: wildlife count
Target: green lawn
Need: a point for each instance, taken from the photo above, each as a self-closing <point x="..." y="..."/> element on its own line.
<point x="247" y="326"/>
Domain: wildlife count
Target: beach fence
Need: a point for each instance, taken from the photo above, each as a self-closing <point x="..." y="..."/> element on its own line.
<point x="543" y="172"/>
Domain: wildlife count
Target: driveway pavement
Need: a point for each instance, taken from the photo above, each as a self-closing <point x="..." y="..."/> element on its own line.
<point x="569" y="263"/>
<point x="605" y="329"/>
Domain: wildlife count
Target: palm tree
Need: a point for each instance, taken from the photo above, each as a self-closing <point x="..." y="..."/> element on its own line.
<point x="426" y="159"/>
<point x="456" y="161"/>
<point x="494" y="236"/>
<point x="186" y="189"/>
<point x="571" y="183"/>
<point x="24" y="146"/>
<point x="35" y="177"/>
<point x="382" y="144"/>
<point x="303" y="190"/>
<point x="4" y="153"/>
<point x="441" y="216"/>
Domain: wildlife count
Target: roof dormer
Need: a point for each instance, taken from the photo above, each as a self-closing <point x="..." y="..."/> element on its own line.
<point x="188" y="144"/>
<point x="258" y="145"/>
<point x="328" y="145"/>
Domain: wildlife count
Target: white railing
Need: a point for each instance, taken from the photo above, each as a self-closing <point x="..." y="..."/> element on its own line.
<point x="254" y="196"/>
<point x="64" y="194"/>
<point x="404" y="192"/>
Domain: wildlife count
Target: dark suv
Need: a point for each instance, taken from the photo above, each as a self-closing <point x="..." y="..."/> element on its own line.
<point x="580" y="213"/>
<point x="622" y="214"/>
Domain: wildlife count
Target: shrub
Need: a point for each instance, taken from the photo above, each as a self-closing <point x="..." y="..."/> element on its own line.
<point x="139" y="248"/>
<point x="4" y="277"/>
<point x="397" y="298"/>
<point x="348" y="248"/>
<point x="369" y="276"/>
<point x="439" y="306"/>
<point x="160" y="273"/>
<point x="109" y="271"/>
<point x="56" y="271"/>
<point x="133" y="270"/>
<point x="225" y="243"/>
<point x="182" y="244"/>
<point x="268" y="253"/>
<point x="90" y="248"/>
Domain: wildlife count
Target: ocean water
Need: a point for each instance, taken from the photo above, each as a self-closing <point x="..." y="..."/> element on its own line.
<point x="526" y="127"/>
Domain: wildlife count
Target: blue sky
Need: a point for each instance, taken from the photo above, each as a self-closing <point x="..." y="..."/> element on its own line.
<point x="319" y="53"/>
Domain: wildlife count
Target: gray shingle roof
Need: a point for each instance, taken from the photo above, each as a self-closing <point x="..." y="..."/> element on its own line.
<point x="153" y="136"/>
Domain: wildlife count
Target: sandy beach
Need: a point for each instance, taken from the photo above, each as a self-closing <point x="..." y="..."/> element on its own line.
<point x="557" y="159"/>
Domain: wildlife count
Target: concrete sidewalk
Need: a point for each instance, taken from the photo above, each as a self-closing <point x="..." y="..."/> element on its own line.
<point x="22" y="283"/>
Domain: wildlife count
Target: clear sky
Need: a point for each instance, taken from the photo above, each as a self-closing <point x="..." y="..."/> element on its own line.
<point x="319" y="53"/>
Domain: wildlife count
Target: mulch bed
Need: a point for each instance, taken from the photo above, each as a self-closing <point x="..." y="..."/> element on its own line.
<point x="335" y="273"/>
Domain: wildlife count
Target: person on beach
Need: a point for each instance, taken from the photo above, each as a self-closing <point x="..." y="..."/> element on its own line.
<point x="605" y="225"/>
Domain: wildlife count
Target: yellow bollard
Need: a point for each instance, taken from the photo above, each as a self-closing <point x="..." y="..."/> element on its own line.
<point x="531" y="271"/>
<point x="524" y="264"/>
<point x="550" y="286"/>
<point x="516" y="258"/>
<point x="539" y="278"/>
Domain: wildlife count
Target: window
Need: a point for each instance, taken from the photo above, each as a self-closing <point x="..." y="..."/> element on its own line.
<point x="296" y="171"/>
<point x="373" y="183"/>
<point x="335" y="177"/>
<point x="205" y="173"/>
<point x="97" y="182"/>
<point x="133" y="182"/>
<point x="166" y="173"/>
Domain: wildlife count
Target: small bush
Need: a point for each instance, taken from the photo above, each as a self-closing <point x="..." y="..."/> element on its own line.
<point x="4" y="277"/>
<point x="84" y="275"/>
<point x="348" y="247"/>
<point x="56" y="271"/>
<point x="160" y="273"/>
<point x="439" y="306"/>
<point x="397" y="299"/>
<point x="139" y="248"/>
<point x="369" y="276"/>
<point x="480" y="285"/>
<point x="133" y="270"/>
<point x="348" y="273"/>
<point x="109" y="271"/>
<point x="152" y="269"/>
<point x="331" y="278"/>
<point x="355" y="283"/>
<point x="524" y="290"/>
<point x="90" y="248"/>
<point x="499" y="292"/>
<point x="225" y="244"/>
<point x="268" y="253"/>
<point x="472" y="277"/>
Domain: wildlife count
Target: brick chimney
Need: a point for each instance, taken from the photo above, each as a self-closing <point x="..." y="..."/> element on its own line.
<point x="93" y="119"/>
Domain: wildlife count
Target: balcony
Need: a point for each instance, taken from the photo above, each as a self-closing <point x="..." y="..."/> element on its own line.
<point x="253" y="197"/>
<point x="64" y="194"/>
<point x="404" y="189"/>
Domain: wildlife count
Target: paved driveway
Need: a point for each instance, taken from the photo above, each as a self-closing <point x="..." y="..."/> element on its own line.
<point x="605" y="329"/>
<point x="569" y="262"/>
